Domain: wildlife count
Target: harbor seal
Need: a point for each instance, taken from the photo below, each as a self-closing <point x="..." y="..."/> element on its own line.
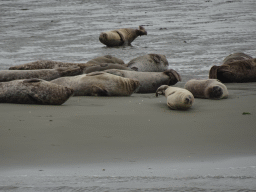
<point x="149" y="63"/>
<point x="207" y="89"/>
<point x="177" y="98"/>
<point x="99" y="84"/>
<point x="121" y="37"/>
<point x="239" y="71"/>
<point x="33" y="91"/>
<point x="48" y="64"/>
<point x="45" y="74"/>
<point x="106" y="66"/>
<point x="149" y="81"/>
<point x="236" y="57"/>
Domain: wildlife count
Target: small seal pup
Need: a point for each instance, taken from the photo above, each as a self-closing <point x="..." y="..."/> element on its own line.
<point x="106" y="66"/>
<point x="207" y="89"/>
<point x="45" y="64"/>
<point x="99" y="84"/>
<point x="239" y="71"/>
<point x="149" y="63"/>
<point x="236" y="57"/>
<point x="177" y="98"/>
<point x="149" y="81"/>
<point x="33" y="91"/>
<point x="121" y="37"/>
<point x="45" y="74"/>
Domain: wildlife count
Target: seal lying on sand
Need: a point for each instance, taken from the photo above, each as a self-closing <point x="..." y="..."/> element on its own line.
<point x="238" y="71"/>
<point x="44" y="64"/>
<point x="99" y="84"/>
<point x="33" y="91"/>
<point x="45" y="74"/>
<point x="236" y="57"/>
<point x="149" y="63"/>
<point x="177" y="98"/>
<point x="149" y="81"/>
<point x="121" y="37"/>
<point x="105" y="66"/>
<point x="208" y="89"/>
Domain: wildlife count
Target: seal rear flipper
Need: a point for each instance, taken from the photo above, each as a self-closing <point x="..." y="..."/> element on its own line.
<point x="98" y="91"/>
<point x="155" y="57"/>
<point x="173" y="73"/>
<point x="141" y="31"/>
<point x="69" y="71"/>
<point x="161" y="90"/>
<point x="213" y="72"/>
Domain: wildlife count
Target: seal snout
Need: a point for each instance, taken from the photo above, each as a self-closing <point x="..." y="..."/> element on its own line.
<point x="188" y="100"/>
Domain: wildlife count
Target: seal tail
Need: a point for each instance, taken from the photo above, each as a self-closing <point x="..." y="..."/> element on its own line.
<point x="213" y="72"/>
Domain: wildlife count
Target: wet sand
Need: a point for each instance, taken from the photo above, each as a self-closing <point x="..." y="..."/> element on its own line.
<point x="128" y="137"/>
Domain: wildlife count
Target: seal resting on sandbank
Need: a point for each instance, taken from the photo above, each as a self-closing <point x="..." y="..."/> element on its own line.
<point x="207" y="89"/>
<point x="149" y="63"/>
<point x="149" y="81"/>
<point x="45" y="64"/>
<point x="121" y="37"/>
<point x="45" y="74"/>
<point x="177" y="98"/>
<point x="236" y="69"/>
<point x="99" y="84"/>
<point x="33" y="91"/>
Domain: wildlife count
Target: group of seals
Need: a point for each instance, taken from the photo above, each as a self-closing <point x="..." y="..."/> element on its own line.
<point x="33" y="91"/>
<point x="121" y="37"/>
<point x="237" y="67"/>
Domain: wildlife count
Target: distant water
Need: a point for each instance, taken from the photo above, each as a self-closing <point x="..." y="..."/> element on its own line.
<point x="194" y="35"/>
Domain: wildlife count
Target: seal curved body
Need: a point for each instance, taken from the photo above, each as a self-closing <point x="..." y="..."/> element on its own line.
<point x="236" y="57"/>
<point x="177" y="98"/>
<point x="149" y="81"/>
<point x="33" y="91"/>
<point x="105" y="66"/>
<point x="238" y="71"/>
<point x="207" y="89"/>
<point x="99" y="84"/>
<point x="121" y="37"/>
<point x="45" y="74"/>
<point x="149" y="63"/>
<point x="45" y="64"/>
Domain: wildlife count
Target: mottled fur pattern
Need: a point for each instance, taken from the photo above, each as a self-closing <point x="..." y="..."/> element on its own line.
<point x="105" y="66"/>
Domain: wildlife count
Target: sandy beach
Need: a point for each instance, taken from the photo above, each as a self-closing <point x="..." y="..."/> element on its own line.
<point x="136" y="136"/>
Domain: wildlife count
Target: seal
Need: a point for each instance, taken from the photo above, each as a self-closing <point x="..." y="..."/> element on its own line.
<point x="149" y="63"/>
<point x="99" y="84"/>
<point x="48" y="64"/>
<point x="239" y="71"/>
<point x="45" y="74"/>
<point x="236" y="57"/>
<point x="177" y="98"/>
<point x="207" y="89"/>
<point x="33" y="91"/>
<point x="121" y="37"/>
<point x="105" y="66"/>
<point x="149" y="81"/>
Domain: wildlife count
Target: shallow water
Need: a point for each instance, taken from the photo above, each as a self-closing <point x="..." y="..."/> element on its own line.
<point x="194" y="35"/>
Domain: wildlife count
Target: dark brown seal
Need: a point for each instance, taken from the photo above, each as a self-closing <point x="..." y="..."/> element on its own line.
<point x="99" y="84"/>
<point x="106" y="66"/>
<point x="33" y="91"/>
<point x="238" y="71"/>
<point x="121" y="37"/>
<point x="149" y="81"/>
<point x="207" y="89"/>
<point x="45" y="74"/>
<point x="149" y="63"/>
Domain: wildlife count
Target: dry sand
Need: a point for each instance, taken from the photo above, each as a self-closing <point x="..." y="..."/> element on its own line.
<point x="130" y="136"/>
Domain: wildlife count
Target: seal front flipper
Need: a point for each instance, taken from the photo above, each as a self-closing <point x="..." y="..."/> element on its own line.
<point x="98" y="91"/>
<point x="34" y="80"/>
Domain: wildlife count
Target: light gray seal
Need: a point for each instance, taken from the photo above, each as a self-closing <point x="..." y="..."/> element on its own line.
<point x="207" y="89"/>
<point x="99" y="84"/>
<point x="106" y="66"/>
<point x="121" y="37"/>
<point x="48" y="64"/>
<point x="149" y="81"/>
<point x="149" y="63"/>
<point x="238" y="69"/>
<point x="177" y="98"/>
<point x="33" y="91"/>
<point x="45" y="74"/>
